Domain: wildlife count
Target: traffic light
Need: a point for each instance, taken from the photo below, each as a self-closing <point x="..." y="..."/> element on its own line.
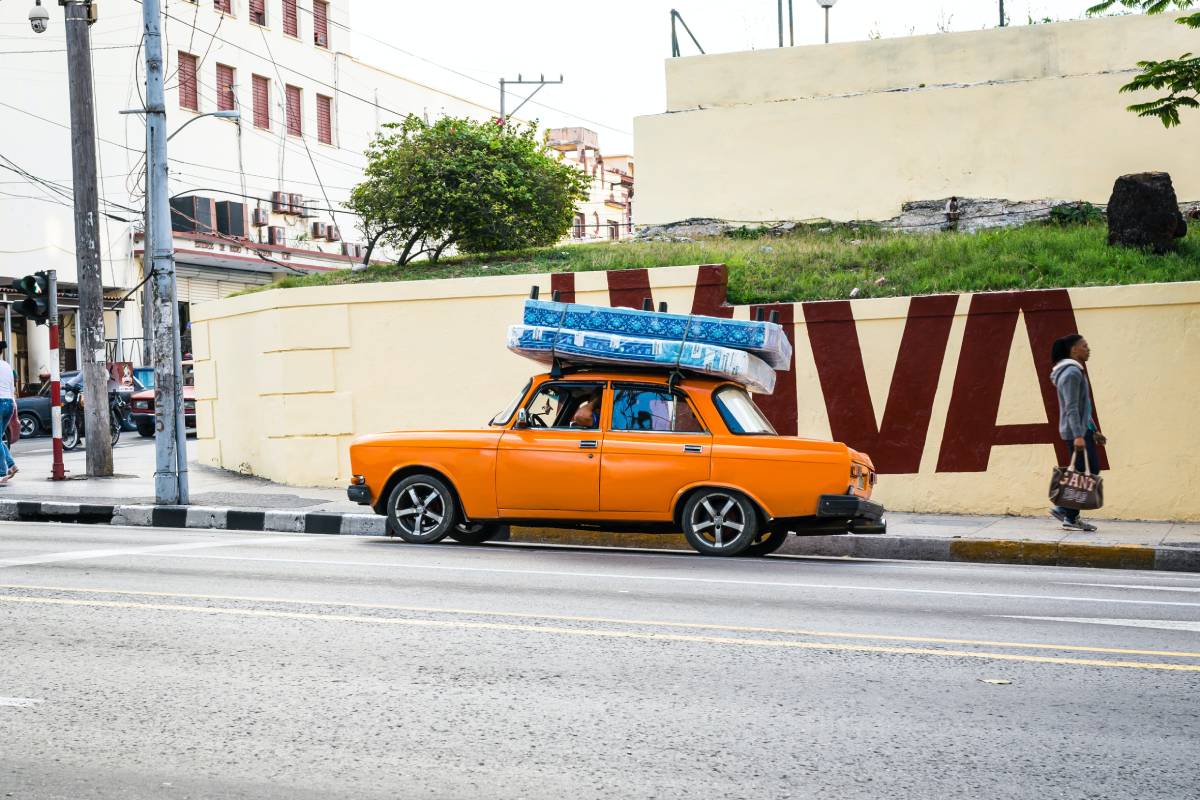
<point x="36" y="305"/>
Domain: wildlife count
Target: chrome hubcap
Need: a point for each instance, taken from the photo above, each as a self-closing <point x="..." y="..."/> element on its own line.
<point x="420" y="509"/>
<point x="718" y="520"/>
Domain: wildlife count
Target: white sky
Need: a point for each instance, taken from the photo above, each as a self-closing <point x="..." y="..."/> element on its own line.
<point x="611" y="52"/>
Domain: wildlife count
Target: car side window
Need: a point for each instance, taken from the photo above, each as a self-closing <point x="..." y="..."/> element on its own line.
<point x="658" y="410"/>
<point x="566" y="405"/>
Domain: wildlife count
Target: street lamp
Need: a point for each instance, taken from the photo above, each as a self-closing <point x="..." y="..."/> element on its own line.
<point x="220" y="114"/>
<point x="827" y="4"/>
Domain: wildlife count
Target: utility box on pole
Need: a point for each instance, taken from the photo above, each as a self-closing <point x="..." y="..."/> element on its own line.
<point x="90" y="327"/>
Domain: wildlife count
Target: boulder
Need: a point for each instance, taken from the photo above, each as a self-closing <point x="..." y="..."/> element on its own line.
<point x="1144" y="212"/>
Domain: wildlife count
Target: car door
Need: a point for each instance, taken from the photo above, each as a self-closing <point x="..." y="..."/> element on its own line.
<point x="655" y="446"/>
<point x="551" y="467"/>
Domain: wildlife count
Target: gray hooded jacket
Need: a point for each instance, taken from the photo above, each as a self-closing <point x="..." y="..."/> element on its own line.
<point x="1074" y="399"/>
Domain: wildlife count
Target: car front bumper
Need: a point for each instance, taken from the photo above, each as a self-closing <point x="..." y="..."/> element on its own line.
<point x="360" y="494"/>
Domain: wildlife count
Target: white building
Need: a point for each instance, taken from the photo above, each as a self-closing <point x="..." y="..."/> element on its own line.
<point x="607" y="212"/>
<point x="263" y="195"/>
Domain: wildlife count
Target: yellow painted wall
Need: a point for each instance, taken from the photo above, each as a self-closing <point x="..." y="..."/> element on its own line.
<point x="286" y="378"/>
<point x="853" y="131"/>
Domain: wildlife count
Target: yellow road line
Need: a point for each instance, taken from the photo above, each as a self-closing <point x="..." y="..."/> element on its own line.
<point x="880" y="637"/>
<point x="604" y="634"/>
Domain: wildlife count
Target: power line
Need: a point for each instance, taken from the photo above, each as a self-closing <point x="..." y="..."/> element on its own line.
<point x="63" y="50"/>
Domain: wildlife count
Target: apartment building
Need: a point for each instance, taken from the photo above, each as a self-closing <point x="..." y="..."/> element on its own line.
<point x="607" y="212"/>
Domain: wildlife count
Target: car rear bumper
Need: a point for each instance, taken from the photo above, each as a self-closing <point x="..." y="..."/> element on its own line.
<point x="861" y="515"/>
<point x="147" y="418"/>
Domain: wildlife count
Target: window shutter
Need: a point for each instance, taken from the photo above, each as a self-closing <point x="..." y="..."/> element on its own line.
<point x="188" y="91"/>
<point x="321" y="23"/>
<point x="291" y="25"/>
<point x="258" y="11"/>
<point x="324" y="119"/>
<point x="224" y="5"/>
<point x="225" y="99"/>
<point x="294" y="126"/>
<point x="262" y="102"/>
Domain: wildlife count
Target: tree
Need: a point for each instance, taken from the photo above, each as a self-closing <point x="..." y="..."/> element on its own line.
<point x="1179" y="76"/>
<point x="478" y="186"/>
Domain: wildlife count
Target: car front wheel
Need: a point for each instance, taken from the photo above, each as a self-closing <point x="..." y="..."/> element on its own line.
<point x="719" y="522"/>
<point x="421" y="510"/>
<point x="30" y="426"/>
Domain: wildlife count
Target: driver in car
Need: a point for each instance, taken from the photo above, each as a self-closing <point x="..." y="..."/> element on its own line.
<point x="587" y="415"/>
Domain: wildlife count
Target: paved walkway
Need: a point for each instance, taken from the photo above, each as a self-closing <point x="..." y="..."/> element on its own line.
<point x="134" y="463"/>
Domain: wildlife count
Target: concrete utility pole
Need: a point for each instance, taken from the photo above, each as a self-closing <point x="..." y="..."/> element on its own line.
<point x="1003" y="20"/>
<point x="170" y="435"/>
<point x="90" y="323"/>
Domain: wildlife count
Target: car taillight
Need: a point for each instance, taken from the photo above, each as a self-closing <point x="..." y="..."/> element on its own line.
<point x="141" y="405"/>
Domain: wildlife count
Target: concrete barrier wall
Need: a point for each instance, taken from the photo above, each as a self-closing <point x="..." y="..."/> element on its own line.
<point x="949" y="393"/>
<point x="852" y="131"/>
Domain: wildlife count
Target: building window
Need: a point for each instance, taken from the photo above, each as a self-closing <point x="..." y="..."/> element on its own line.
<point x="189" y="93"/>
<point x="580" y="226"/>
<point x="321" y="23"/>
<point x="224" y="6"/>
<point x="291" y="24"/>
<point x="614" y="230"/>
<point x="258" y="12"/>
<point x="262" y="102"/>
<point x="294" y="126"/>
<point x="324" y="119"/>
<point x="225" y="98"/>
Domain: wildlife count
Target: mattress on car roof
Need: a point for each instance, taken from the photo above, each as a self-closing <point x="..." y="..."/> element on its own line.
<point x="764" y="339"/>
<point x="585" y="347"/>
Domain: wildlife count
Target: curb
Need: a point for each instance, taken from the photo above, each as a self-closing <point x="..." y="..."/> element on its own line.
<point x="905" y="548"/>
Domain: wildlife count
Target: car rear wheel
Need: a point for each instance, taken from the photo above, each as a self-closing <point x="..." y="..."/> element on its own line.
<point x="421" y="510"/>
<point x="146" y="429"/>
<point x="719" y="522"/>
<point x="767" y="542"/>
<point x="30" y="425"/>
<point x="476" y="532"/>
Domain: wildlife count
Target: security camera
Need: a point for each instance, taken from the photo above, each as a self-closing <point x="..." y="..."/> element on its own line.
<point x="39" y="18"/>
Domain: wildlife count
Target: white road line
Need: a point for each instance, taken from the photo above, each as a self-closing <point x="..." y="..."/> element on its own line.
<point x="1159" y="624"/>
<point x="1140" y="587"/>
<point x="18" y="702"/>
<point x="678" y="579"/>
<point x="84" y="555"/>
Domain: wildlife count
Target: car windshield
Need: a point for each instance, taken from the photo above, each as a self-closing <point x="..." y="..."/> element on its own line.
<point x="740" y="413"/>
<point x="507" y="413"/>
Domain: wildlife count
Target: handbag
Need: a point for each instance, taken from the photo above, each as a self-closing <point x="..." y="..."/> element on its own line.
<point x="1078" y="490"/>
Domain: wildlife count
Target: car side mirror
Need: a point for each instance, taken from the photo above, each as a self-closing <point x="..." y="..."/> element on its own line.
<point x="522" y="419"/>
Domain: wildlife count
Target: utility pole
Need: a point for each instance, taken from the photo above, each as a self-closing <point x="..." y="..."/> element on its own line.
<point x="1003" y="20"/>
<point x="170" y="442"/>
<point x="541" y="83"/>
<point x="90" y="323"/>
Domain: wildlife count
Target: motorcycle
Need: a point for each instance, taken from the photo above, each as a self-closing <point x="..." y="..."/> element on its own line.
<point x="72" y="416"/>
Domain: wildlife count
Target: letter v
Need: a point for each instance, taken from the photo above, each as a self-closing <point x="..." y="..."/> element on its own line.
<point x="897" y="444"/>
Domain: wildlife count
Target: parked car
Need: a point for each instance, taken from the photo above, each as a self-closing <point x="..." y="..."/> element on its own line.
<point x="34" y="411"/>
<point x="619" y="449"/>
<point x="141" y="405"/>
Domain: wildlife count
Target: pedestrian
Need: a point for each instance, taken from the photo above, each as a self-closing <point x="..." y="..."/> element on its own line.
<point x="1075" y="425"/>
<point x="8" y="407"/>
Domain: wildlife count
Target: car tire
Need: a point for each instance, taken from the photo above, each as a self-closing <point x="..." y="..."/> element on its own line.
<point x="719" y="522"/>
<point x="30" y="424"/>
<point x="767" y="542"/>
<point x="477" y="532"/>
<point x="415" y="503"/>
<point x="146" y="430"/>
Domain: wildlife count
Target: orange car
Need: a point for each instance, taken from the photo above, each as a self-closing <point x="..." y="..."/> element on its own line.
<point x="619" y="450"/>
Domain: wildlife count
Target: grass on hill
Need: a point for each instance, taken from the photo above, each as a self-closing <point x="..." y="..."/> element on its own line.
<point x="819" y="264"/>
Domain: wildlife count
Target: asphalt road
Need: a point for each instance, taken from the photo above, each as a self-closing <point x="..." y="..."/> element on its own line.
<point x="141" y="663"/>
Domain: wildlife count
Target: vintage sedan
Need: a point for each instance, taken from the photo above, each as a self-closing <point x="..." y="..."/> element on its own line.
<point x="619" y="450"/>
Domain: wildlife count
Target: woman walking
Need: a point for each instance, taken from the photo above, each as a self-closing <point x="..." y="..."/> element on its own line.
<point x="8" y="407"/>
<point x="1075" y="425"/>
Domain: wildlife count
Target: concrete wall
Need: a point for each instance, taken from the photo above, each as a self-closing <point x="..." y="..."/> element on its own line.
<point x="853" y="131"/>
<point x="948" y="393"/>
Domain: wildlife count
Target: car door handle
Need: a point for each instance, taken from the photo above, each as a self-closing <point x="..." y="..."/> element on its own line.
<point x="588" y="444"/>
<point x="693" y="448"/>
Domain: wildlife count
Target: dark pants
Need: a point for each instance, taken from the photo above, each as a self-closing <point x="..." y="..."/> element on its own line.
<point x="1091" y="465"/>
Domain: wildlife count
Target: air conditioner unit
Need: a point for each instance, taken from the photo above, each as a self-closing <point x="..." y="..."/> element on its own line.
<point x="319" y="230"/>
<point x="296" y="203"/>
<point x="193" y="214"/>
<point x="277" y="235"/>
<point x="261" y="218"/>
<point x="332" y="233"/>
<point x="280" y="203"/>
<point x="231" y="218"/>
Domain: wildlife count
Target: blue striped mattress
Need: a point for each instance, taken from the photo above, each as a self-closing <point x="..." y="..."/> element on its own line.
<point x="764" y="339"/>
<point x="545" y="343"/>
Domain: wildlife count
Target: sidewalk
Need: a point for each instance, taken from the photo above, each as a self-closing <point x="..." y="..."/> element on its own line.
<point x="225" y="499"/>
